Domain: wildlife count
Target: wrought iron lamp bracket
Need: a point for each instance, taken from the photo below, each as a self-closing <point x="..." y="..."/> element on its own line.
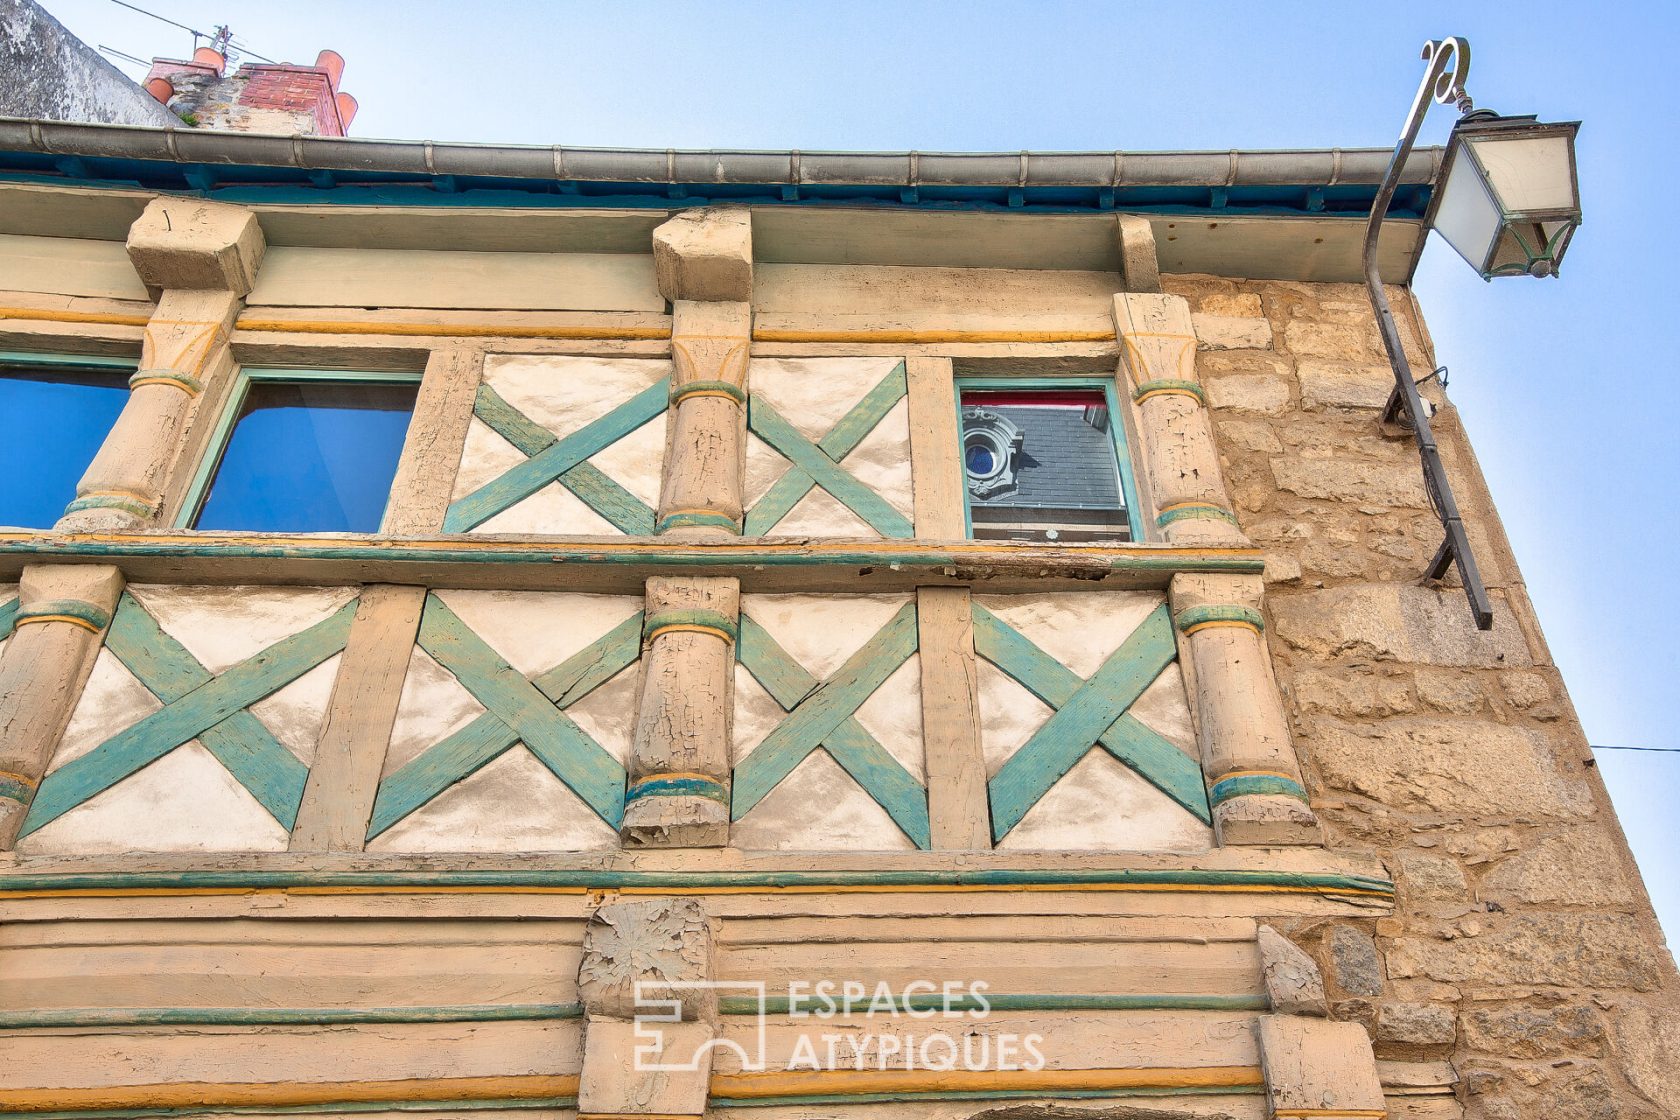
<point x="1448" y="65"/>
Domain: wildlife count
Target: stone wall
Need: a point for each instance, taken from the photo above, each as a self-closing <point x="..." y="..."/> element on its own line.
<point x="52" y="75"/>
<point x="1523" y="947"/>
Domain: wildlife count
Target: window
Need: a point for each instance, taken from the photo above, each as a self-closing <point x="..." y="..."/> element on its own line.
<point x="57" y="411"/>
<point x="305" y="451"/>
<point x="1044" y="461"/>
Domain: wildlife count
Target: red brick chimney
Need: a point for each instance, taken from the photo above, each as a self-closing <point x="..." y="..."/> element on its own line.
<point x="283" y="97"/>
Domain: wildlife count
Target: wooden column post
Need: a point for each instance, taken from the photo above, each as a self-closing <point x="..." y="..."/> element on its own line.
<point x="1254" y="780"/>
<point x="1181" y="463"/>
<point x="958" y="810"/>
<point x="201" y="258"/>
<point x="700" y="495"/>
<point x="679" y="767"/>
<point x="63" y="611"/>
<point x="678" y="793"/>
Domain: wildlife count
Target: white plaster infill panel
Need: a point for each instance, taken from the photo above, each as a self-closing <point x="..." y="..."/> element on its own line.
<point x="120" y="781"/>
<point x="458" y="777"/>
<point x="563" y="445"/>
<point x="1087" y="797"/>
<point x="862" y="787"/>
<point x="853" y="414"/>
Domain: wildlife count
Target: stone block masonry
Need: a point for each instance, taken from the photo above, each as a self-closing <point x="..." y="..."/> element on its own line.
<point x="1522" y="949"/>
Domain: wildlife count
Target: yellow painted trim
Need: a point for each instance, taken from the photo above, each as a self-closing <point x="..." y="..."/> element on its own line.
<point x="174" y="382"/>
<point x="842" y="888"/>
<point x="1333" y="1113"/>
<point x="28" y="620"/>
<point x="848" y="1082"/>
<point x="1213" y="623"/>
<point x="104" y="318"/>
<point x="638" y="1115"/>
<point x="279" y="1094"/>
<point x="681" y="396"/>
<point x="1168" y="393"/>
<point x="1258" y="773"/>
<point x="691" y="628"/>
<point x="454" y="330"/>
<point x="772" y="335"/>
<point x="21" y="779"/>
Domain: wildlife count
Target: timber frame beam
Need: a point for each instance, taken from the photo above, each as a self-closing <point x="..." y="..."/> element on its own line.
<point x="620" y="565"/>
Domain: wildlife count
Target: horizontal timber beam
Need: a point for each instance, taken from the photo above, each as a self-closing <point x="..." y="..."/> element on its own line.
<point x="617" y="565"/>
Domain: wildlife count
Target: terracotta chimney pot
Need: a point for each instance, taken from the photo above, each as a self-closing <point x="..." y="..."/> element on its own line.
<point x="211" y="57"/>
<point x="346" y="110"/>
<point x="333" y="63"/>
<point x="161" y="88"/>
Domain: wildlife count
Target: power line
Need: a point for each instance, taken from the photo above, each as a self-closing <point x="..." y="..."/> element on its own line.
<point x="197" y="33"/>
<point x="1656" y="750"/>
<point x="123" y="55"/>
<point x="223" y="35"/>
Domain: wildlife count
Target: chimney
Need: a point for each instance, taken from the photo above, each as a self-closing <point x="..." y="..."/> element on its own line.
<point x="282" y="98"/>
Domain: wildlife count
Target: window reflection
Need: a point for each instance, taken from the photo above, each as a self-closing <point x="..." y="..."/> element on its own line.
<point x="55" y="419"/>
<point x="310" y="457"/>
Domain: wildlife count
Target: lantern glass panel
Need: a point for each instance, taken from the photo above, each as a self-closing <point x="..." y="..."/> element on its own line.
<point x="1467" y="215"/>
<point x="1528" y="174"/>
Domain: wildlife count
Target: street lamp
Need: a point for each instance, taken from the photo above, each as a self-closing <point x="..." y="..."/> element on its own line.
<point x="1509" y="199"/>
<point x="1508" y="202"/>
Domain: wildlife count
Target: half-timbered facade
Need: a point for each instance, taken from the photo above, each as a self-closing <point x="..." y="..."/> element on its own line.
<point x="671" y="652"/>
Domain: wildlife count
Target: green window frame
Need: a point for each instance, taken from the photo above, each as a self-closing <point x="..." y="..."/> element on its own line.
<point x="245" y="377"/>
<point x="1137" y="529"/>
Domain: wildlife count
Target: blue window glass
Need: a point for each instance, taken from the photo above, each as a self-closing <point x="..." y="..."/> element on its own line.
<point x="55" y="418"/>
<point x="314" y="456"/>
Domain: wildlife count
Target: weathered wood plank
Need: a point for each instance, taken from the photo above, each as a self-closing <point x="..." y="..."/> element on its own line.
<point x="820" y="713"/>
<point x="770" y="426"/>
<point x="547" y="732"/>
<point x="956" y="767"/>
<point x="616" y="565"/>
<point x="841" y="440"/>
<point x="161" y="732"/>
<point x="344" y="778"/>
<point x="440" y="766"/>
<point x="436" y="434"/>
<point x="533" y="474"/>
<point x="1165" y="766"/>
<point x="1076" y="726"/>
<point x="936" y="471"/>
<point x="251" y="753"/>
<point x="480" y="742"/>
<point x="857" y="751"/>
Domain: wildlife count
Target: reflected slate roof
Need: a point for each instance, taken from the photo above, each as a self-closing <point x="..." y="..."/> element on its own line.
<point x="1066" y="463"/>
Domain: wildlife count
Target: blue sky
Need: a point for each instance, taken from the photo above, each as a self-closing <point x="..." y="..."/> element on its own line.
<point x="1567" y="386"/>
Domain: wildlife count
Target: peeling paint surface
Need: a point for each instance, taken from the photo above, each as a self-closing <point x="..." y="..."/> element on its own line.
<point x="514" y="804"/>
<point x="813" y="394"/>
<point x="1100" y="803"/>
<point x="818" y="808"/>
<point x="222" y="626"/>
<point x="183" y="802"/>
<point x="112" y="701"/>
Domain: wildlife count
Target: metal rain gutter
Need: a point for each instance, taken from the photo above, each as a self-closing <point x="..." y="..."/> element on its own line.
<point x="670" y="167"/>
